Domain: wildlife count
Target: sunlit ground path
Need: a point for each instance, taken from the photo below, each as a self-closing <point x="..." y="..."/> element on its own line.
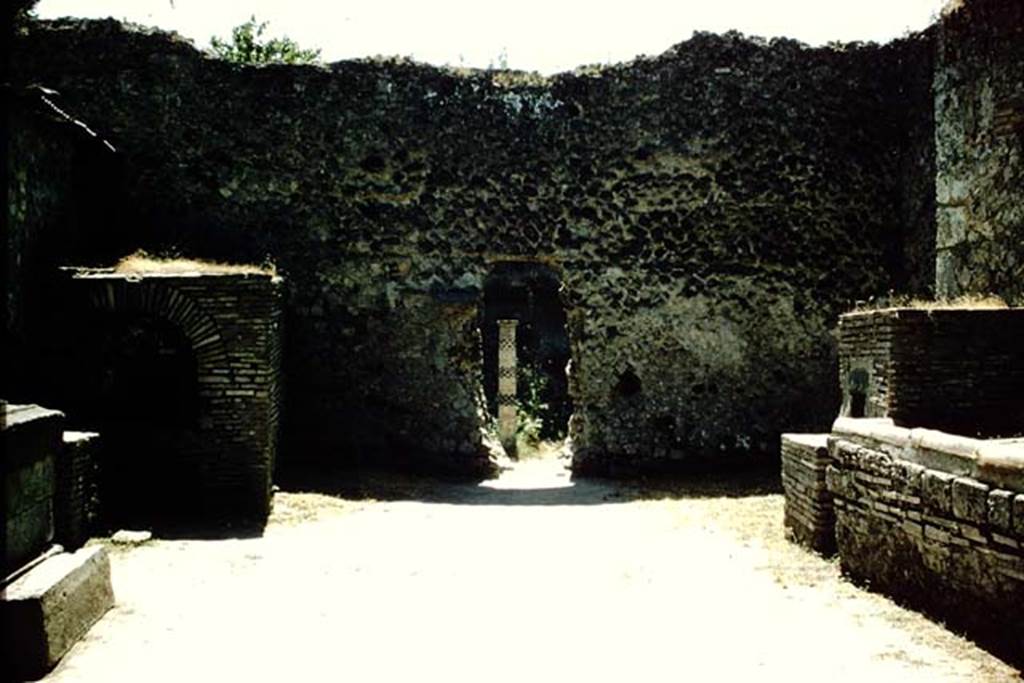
<point x="531" y="577"/>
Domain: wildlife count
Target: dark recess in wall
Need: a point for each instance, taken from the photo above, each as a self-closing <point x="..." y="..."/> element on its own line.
<point x="529" y="292"/>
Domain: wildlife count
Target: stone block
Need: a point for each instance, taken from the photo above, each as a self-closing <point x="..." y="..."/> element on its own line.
<point x="1018" y="515"/>
<point x="1000" y="510"/>
<point x="48" y="609"/>
<point x="973" y="533"/>
<point x="29" y="532"/>
<point x="1006" y="541"/>
<point x="935" y="534"/>
<point x="970" y="500"/>
<point x="30" y="439"/>
<point x="936" y="491"/>
<point x="906" y="477"/>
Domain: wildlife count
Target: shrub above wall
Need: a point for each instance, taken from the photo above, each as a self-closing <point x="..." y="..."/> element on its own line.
<point x="710" y="212"/>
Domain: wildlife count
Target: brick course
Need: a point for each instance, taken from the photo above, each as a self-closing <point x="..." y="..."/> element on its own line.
<point x="234" y="324"/>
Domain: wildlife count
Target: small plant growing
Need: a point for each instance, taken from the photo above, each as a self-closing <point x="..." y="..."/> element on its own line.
<point x="529" y="409"/>
<point x="248" y="46"/>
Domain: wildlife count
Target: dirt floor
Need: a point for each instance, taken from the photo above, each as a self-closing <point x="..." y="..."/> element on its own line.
<point x="530" y="577"/>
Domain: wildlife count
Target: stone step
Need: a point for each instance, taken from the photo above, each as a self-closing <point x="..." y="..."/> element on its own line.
<point x="49" y="608"/>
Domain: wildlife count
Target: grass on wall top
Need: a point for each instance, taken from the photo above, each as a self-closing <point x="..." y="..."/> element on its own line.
<point x="143" y="263"/>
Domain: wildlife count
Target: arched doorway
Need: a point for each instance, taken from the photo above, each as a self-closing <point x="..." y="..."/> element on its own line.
<point x="137" y="382"/>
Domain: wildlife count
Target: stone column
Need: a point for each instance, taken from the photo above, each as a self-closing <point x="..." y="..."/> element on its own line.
<point x="507" y="384"/>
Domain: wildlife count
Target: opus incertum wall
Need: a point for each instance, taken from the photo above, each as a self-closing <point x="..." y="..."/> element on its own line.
<point x="709" y="212"/>
<point x="232" y="323"/>
<point x="979" y="133"/>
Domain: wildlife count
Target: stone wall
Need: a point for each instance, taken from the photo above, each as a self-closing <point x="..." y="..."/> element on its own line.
<point x="979" y="110"/>
<point x="918" y="519"/>
<point x="30" y="437"/>
<point x="39" y="195"/>
<point x="958" y="370"/>
<point x="709" y="212"/>
<point x="60" y="181"/>
<point x="220" y="462"/>
<point x="917" y="167"/>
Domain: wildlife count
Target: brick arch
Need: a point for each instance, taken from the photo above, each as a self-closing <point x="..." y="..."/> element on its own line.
<point x="167" y="303"/>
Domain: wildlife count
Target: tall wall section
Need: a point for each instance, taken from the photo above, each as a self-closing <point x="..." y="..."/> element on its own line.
<point x="710" y="212"/>
<point x="979" y="110"/>
<point x="38" y="202"/>
<point x="53" y="166"/>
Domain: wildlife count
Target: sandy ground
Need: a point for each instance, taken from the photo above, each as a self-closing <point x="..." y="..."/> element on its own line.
<point x="530" y="577"/>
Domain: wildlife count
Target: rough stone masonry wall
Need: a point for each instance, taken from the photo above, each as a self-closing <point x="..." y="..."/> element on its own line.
<point x="979" y="110"/>
<point x="958" y="370"/>
<point x="234" y="324"/>
<point x="917" y="171"/>
<point x="710" y="212"/>
<point x="945" y="543"/>
<point x="39" y="196"/>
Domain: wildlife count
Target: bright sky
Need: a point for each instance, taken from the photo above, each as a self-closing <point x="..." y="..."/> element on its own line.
<point x="541" y="35"/>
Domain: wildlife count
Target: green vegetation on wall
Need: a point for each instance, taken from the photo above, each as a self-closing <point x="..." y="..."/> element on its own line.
<point x="248" y="46"/>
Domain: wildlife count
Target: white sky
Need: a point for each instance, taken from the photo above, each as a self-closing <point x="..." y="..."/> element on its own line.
<point x="541" y="35"/>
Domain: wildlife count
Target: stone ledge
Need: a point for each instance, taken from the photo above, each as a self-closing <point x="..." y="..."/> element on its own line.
<point x="14" y="416"/>
<point x="814" y="441"/>
<point x="997" y="462"/>
<point x="48" y="609"/>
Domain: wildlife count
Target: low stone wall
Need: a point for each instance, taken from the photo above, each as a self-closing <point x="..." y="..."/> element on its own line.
<point x="809" y="520"/>
<point x="934" y="521"/>
<point x="50" y="607"/>
<point x="958" y="370"/>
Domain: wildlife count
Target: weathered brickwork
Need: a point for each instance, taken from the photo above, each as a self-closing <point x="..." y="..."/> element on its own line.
<point x="958" y="370"/>
<point x="979" y="110"/>
<point x="234" y="325"/>
<point x="946" y="543"/>
<point x="77" y="500"/>
<point x="809" y="515"/>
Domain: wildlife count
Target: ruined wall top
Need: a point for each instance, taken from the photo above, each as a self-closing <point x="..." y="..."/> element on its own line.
<point x="708" y="212"/>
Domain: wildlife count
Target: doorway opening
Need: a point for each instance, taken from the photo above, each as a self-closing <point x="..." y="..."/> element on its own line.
<point x="137" y="384"/>
<point x="529" y="294"/>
